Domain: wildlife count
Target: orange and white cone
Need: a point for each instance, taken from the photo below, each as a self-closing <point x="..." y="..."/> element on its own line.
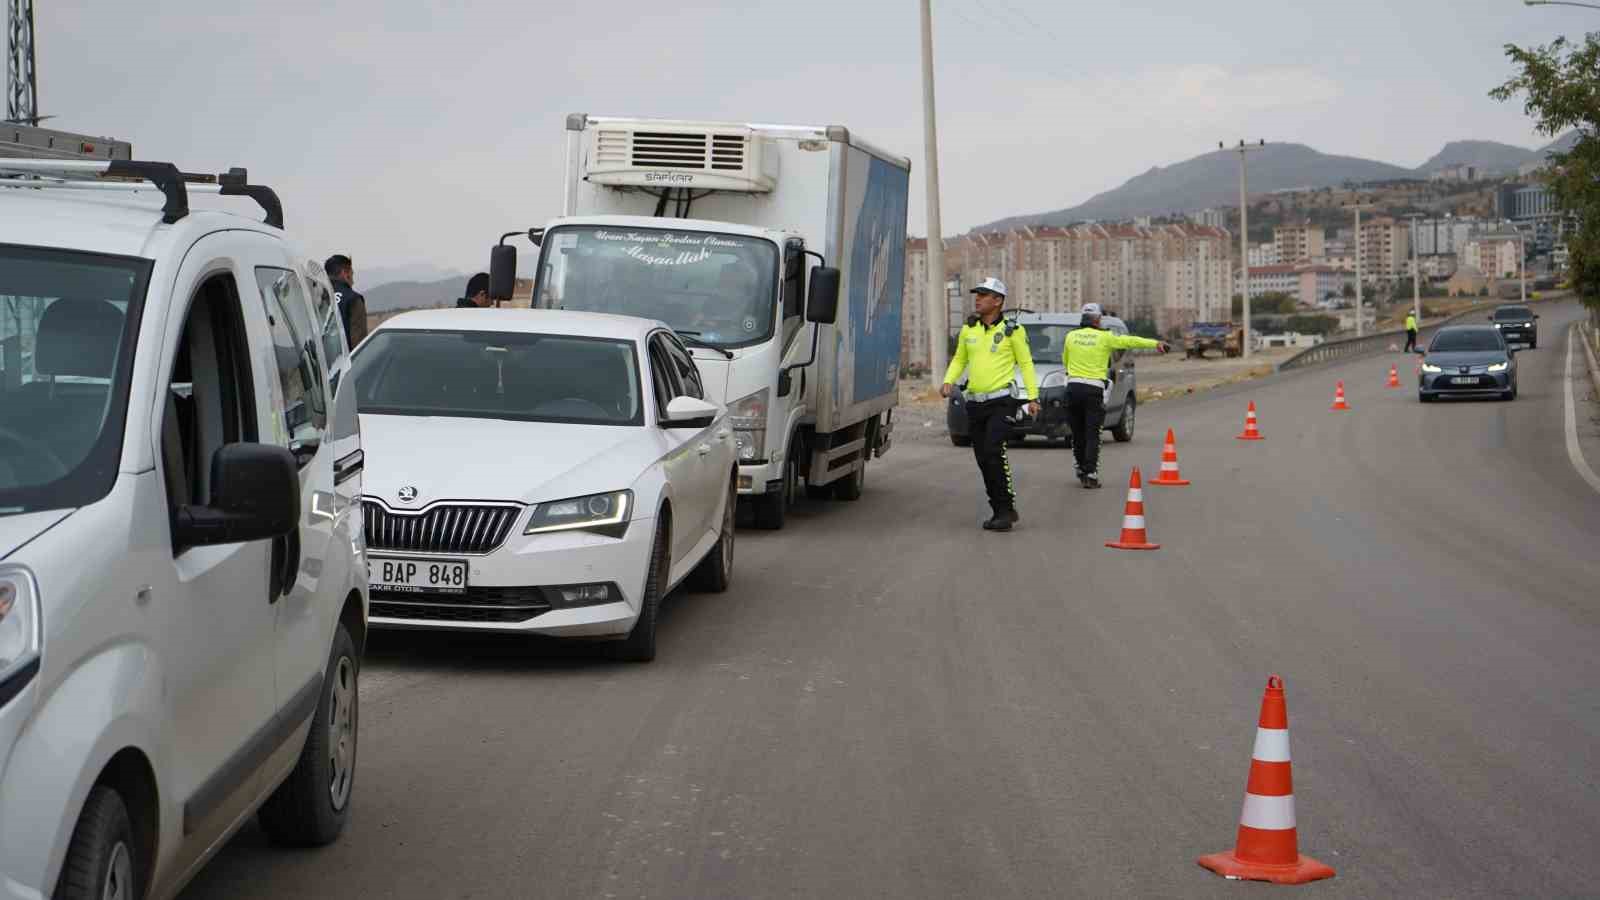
<point x="1133" y="534"/>
<point x="1250" y="432"/>
<point x="1394" y="376"/>
<point x="1169" y="474"/>
<point x="1268" y="844"/>
<point x="1338" y="398"/>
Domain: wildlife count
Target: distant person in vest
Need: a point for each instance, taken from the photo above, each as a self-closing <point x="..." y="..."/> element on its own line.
<point x="477" y="296"/>
<point x="352" y="306"/>
<point x="1411" y="332"/>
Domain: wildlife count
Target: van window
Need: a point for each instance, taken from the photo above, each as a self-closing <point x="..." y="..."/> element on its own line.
<point x="68" y="326"/>
<point x="305" y="409"/>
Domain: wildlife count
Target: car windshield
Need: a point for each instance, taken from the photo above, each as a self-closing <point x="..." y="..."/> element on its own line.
<point x="1458" y="340"/>
<point x="1048" y="341"/>
<point x="719" y="288"/>
<point x="1512" y="314"/>
<point x="67" y="323"/>
<point x="498" y="375"/>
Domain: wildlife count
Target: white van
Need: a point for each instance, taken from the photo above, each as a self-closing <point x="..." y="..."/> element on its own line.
<point x="183" y="594"/>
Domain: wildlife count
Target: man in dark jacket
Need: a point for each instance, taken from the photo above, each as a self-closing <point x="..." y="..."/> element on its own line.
<point x="477" y="293"/>
<point x="352" y="306"/>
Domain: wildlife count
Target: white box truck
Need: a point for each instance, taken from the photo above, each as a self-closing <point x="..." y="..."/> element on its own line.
<point x="712" y="228"/>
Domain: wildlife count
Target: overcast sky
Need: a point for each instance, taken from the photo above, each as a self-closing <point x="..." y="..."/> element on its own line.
<point x="409" y="132"/>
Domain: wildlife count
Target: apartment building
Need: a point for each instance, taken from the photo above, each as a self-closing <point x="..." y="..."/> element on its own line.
<point x="1309" y="285"/>
<point x="1385" y="249"/>
<point x="914" y="315"/>
<point x="1299" y="243"/>
<point x="1496" y="256"/>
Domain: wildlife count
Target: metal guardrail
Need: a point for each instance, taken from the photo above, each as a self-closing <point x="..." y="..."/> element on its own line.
<point x="1345" y="348"/>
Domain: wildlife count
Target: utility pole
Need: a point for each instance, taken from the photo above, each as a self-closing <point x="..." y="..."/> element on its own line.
<point x="1361" y="327"/>
<point x="938" y="314"/>
<point x="1244" y="241"/>
<point x="22" y="81"/>
<point x="1416" y="283"/>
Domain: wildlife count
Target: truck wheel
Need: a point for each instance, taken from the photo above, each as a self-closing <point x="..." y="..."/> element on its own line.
<point x="961" y="440"/>
<point x="715" y="572"/>
<point x="1123" y="430"/>
<point x="772" y="509"/>
<point x="102" y="859"/>
<point x="310" y="807"/>
<point x="640" y="645"/>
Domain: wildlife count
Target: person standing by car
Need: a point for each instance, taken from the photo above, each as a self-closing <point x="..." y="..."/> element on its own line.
<point x="1086" y="354"/>
<point x="477" y="296"/>
<point x="352" y="306"/>
<point x="991" y="348"/>
<point x="1411" y="333"/>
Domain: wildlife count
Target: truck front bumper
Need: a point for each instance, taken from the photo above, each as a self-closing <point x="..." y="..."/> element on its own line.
<point x="760" y="478"/>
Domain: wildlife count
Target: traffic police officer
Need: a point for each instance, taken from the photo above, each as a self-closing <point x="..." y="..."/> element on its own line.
<point x="1411" y="332"/>
<point x="1087" y="356"/>
<point x="991" y="348"/>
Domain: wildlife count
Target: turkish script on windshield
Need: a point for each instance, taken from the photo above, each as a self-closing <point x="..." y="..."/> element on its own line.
<point x="721" y="288"/>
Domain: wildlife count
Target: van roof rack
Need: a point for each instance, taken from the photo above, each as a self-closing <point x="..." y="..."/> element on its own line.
<point x="116" y="174"/>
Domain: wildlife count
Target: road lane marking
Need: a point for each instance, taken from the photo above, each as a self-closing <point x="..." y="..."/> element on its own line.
<point x="1575" y="452"/>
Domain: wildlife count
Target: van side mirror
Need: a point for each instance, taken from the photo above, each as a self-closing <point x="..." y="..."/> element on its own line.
<point x="502" y="272"/>
<point x="822" y="300"/>
<point x="255" y="496"/>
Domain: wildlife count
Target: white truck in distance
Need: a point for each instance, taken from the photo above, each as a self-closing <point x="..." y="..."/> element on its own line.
<point x="707" y="227"/>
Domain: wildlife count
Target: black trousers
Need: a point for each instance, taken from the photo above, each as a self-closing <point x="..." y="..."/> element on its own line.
<point x="1086" y="415"/>
<point x="986" y="423"/>
<point x="1411" y="341"/>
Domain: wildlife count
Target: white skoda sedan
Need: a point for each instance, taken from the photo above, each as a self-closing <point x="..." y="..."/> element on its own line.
<point x="540" y="472"/>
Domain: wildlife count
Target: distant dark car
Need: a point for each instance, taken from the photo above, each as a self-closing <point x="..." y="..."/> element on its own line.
<point x="1518" y="324"/>
<point x="1468" y="360"/>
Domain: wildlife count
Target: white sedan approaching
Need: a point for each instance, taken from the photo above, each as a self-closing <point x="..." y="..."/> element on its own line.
<point x="539" y="472"/>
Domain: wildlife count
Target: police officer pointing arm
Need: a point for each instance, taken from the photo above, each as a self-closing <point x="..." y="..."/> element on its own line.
<point x="991" y="349"/>
<point x="1087" y="357"/>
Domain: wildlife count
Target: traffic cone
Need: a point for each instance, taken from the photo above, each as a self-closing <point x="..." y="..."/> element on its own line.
<point x="1394" y="376"/>
<point x="1338" y="398"/>
<point x="1169" y="465"/>
<point x="1133" y="536"/>
<point x="1250" y="432"/>
<point x="1268" y="846"/>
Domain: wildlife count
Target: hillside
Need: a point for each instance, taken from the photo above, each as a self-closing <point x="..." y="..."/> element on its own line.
<point x="1213" y="180"/>
<point x="414" y="294"/>
<point x="1488" y="157"/>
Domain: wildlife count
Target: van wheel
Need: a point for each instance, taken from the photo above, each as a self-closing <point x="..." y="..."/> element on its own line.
<point x="102" y="862"/>
<point x="715" y="572"/>
<point x="310" y="808"/>
<point x="1123" y="430"/>
<point x="640" y="645"/>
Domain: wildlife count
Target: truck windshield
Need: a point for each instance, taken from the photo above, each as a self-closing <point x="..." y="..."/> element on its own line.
<point x="720" y="288"/>
<point x="67" y="329"/>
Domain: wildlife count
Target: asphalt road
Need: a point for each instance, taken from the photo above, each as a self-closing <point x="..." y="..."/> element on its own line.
<point x="892" y="703"/>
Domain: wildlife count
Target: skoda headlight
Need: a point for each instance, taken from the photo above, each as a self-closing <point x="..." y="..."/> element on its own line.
<point x="748" y="416"/>
<point x="1499" y="366"/>
<point x="1431" y="368"/>
<point x="20" y="633"/>
<point x="1054" y="380"/>
<point x="605" y="514"/>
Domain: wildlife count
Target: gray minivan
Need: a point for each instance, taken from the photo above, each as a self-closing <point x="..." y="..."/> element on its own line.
<point x="1047" y="334"/>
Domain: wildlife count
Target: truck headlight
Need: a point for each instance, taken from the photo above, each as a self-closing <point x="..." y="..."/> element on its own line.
<point x="1499" y="366"/>
<point x="748" y="416"/>
<point x="605" y="514"/>
<point x="21" y="634"/>
<point x="1431" y="368"/>
<point x="1054" y="380"/>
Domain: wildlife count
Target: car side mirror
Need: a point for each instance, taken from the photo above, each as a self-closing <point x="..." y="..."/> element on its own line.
<point x="689" y="412"/>
<point x="255" y="496"/>
<point x="822" y="300"/>
<point x="502" y="271"/>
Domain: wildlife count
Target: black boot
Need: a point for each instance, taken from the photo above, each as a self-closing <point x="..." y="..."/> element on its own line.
<point x="1090" y="479"/>
<point x="1002" y="520"/>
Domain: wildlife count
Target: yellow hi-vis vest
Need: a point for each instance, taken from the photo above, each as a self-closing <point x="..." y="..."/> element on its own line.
<point x="992" y="356"/>
<point x="1087" y="351"/>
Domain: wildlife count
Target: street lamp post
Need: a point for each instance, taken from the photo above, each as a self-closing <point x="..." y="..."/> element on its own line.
<point x="1416" y="281"/>
<point x="935" y="301"/>
<point x="1244" y="241"/>
<point x="1361" y="328"/>
<point x="1560" y="3"/>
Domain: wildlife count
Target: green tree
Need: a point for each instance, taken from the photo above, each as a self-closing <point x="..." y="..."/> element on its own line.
<point x="1560" y="87"/>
